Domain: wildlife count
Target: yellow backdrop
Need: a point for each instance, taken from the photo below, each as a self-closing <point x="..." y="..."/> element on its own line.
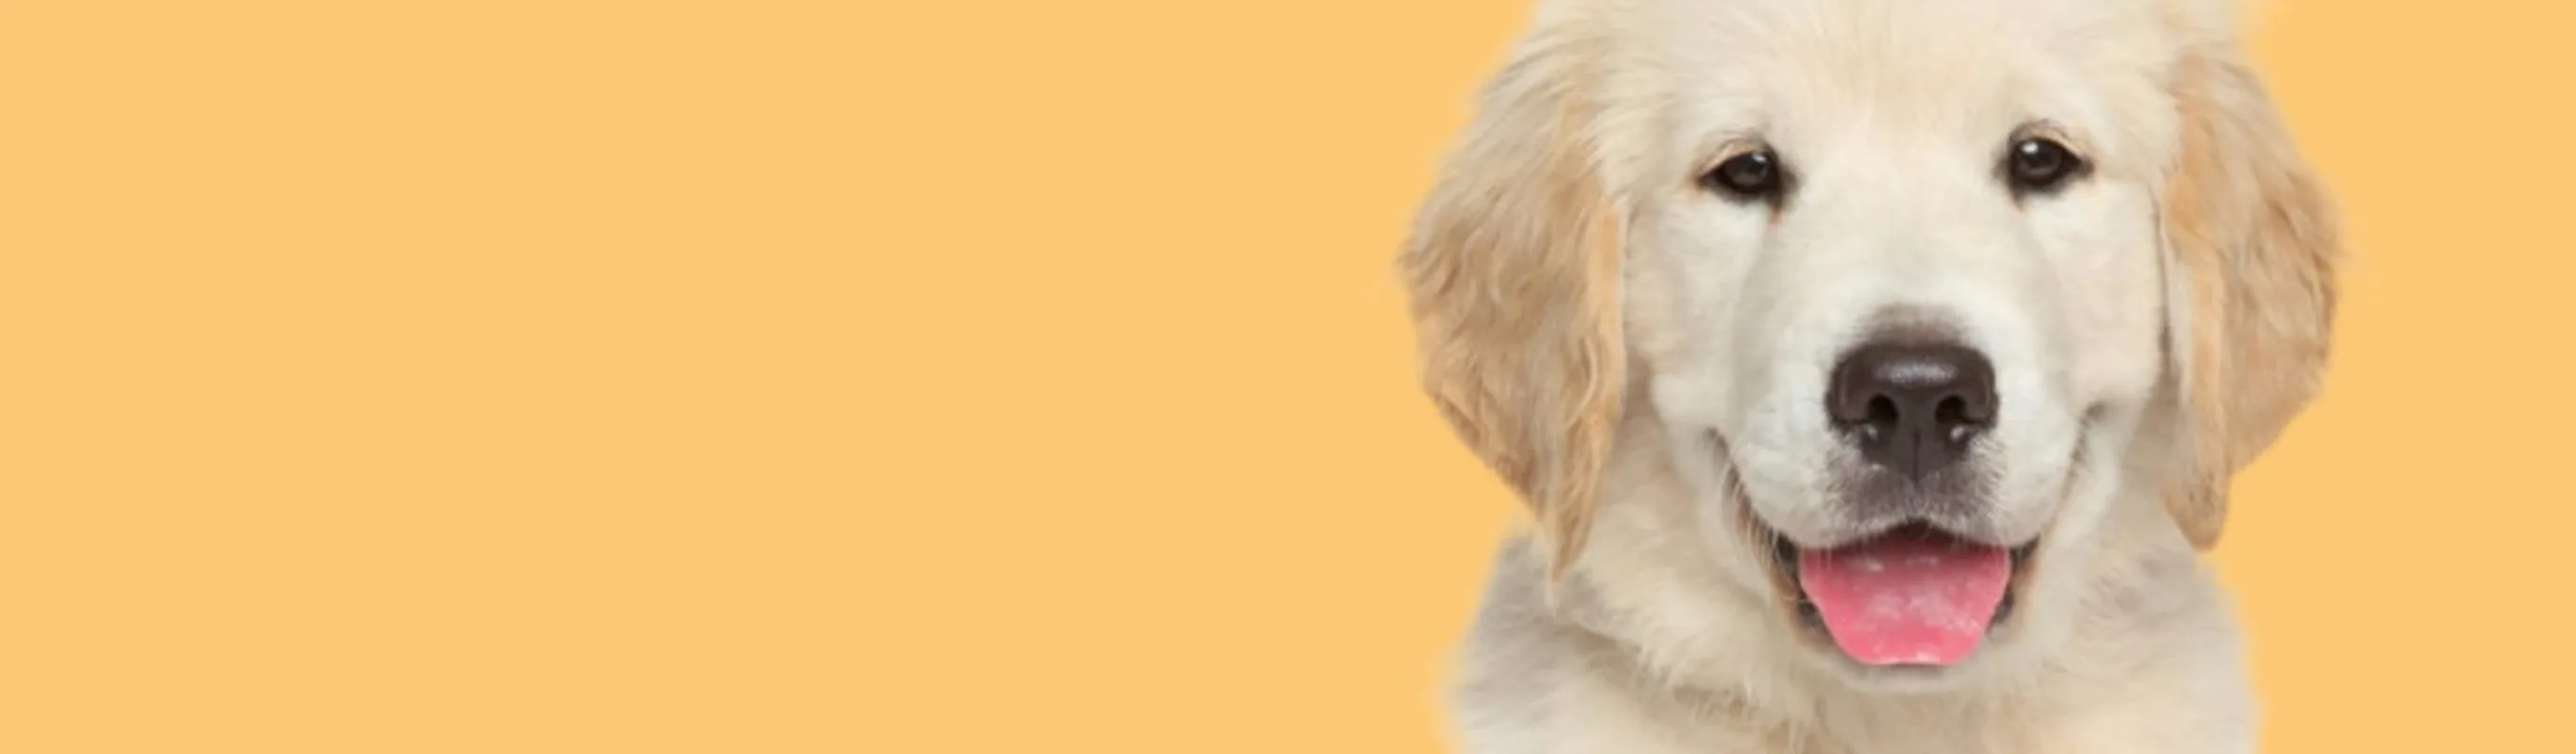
<point x="1005" y="376"/>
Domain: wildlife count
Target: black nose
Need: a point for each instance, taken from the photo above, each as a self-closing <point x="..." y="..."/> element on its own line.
<point x="1913" y="407"/>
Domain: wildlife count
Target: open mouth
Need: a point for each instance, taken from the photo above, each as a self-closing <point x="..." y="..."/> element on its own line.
<point x="1915" y="595"/>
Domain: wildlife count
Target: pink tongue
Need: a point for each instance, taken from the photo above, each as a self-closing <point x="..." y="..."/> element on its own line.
<point x="1906" y="598"/>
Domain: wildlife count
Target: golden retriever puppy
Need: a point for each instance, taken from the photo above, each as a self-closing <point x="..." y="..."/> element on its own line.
<point x="1874" y="370"/>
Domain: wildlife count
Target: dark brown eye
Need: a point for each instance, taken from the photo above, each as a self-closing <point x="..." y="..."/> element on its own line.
<point x="1752" y="175"/>
<point x="2038" y="166"/>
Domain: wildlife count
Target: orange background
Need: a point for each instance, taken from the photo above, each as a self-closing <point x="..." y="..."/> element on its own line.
<point x="1017" y="376"/>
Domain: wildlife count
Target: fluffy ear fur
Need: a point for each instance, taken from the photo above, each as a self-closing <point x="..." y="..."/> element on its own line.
<point x="1513" y="270"/>
<point x="2253" y="245"/>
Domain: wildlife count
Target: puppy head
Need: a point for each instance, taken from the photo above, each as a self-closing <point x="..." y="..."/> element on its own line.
<point x="1877" y="269"/>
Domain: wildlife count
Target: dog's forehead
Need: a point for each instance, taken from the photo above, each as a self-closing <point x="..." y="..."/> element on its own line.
<point x="1791" y="69"/>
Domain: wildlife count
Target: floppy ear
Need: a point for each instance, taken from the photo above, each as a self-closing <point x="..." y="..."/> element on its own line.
<point x="2252" y="245"/>
<point x="1513" y="271"/>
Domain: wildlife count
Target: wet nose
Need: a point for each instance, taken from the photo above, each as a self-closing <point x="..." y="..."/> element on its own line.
<point x="1913" y="407"/>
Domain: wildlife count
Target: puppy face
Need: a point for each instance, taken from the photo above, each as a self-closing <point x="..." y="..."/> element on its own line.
<point x="1912" y="289"/>
<point x="1899" y="276"/>
<point x="1943" y="210"/>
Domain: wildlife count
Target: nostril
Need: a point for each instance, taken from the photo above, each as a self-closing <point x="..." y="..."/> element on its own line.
<point x="1882" y="417"/>
<point x="1964" y="410"/>
<point x="1953" y="420"/>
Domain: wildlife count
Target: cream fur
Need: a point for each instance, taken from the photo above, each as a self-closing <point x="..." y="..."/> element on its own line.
<point x="1644" y="363"/>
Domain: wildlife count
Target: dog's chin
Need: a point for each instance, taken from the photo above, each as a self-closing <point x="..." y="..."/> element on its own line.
<point x="1945" y="651"/>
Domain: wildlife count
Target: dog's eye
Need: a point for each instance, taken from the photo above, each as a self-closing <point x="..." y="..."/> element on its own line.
<point x="1752" y="175"/>
<point x="2038" y="166"/>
